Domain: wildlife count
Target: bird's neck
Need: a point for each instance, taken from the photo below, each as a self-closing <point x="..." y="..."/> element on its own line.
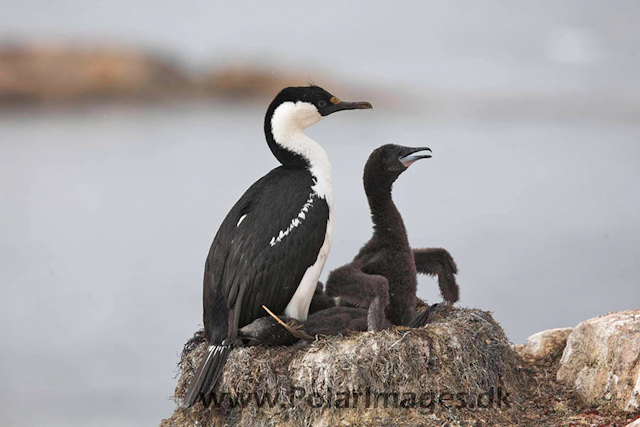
<point x="293" y="148"/>
<point x="319" y="167"/>
<point x="387" y="221"/>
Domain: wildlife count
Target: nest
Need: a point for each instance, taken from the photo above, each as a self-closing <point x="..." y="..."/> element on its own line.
<point x="400" y="376"/>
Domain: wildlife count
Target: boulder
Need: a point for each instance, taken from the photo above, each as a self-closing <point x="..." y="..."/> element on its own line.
<point x="601" y="360"/>
<point x="635" y="423"/>
<point x="549" y="343"/>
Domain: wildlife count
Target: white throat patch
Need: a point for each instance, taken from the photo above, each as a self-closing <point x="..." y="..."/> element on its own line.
<point x="288" y="123"/>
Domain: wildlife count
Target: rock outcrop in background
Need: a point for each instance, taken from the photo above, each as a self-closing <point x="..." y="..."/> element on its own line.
<point x="51" y="74"/>
<point x="40" y="73"/>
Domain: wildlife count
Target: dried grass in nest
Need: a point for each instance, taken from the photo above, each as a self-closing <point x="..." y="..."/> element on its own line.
<point x="459" y="350"/>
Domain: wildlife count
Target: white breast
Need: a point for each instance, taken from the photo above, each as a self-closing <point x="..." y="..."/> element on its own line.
<point x="298" y="307"/>
<point x="288" y="123"/>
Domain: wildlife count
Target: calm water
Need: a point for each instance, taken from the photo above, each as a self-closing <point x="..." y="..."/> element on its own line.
<point x="108" y="214"/>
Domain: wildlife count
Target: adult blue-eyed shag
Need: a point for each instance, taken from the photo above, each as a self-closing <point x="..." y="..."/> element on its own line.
<point x="273" y="244"/>
<point x="378" y="288"/>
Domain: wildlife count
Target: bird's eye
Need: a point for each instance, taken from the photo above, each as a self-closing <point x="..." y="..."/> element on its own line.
<point x="322" y="104"/>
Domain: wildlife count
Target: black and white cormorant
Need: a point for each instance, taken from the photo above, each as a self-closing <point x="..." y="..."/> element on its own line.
<point x="273" y="244"/>
<point x="379" y="286"/>
<point x="382" y="276"/>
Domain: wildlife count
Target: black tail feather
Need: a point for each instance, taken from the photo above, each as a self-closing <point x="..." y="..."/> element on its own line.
<point x="207" y="375"/>
<point x="420" y="319"/>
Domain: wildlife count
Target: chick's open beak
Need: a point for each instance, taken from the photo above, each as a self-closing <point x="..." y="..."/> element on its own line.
<point x="414" y="155"/>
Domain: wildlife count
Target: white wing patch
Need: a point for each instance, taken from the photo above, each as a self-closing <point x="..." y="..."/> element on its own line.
<point x="295" y="222"/>
<point x="240" y="220"/>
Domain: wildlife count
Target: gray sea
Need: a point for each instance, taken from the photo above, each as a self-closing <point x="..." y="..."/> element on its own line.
<point x="108" y="214"/>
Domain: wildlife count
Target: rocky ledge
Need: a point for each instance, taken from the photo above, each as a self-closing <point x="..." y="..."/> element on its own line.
<point x="601" y="360"/>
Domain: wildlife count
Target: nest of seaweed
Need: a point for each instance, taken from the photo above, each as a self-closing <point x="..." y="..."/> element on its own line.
<point x="396" y="377"/>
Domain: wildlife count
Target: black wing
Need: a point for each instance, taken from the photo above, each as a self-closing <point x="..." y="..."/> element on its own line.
<point x="439" y="262"/>
<point x="262" y="258"/>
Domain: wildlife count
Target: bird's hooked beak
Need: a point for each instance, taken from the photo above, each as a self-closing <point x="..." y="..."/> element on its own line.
<point x="414" y="154"/>
<point x="337" y="105"/>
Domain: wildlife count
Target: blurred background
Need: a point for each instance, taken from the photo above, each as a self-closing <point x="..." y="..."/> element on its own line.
<point x="129" y="129"/>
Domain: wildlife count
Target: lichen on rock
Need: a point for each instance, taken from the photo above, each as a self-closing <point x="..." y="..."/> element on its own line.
<point x="602" y="360"/>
